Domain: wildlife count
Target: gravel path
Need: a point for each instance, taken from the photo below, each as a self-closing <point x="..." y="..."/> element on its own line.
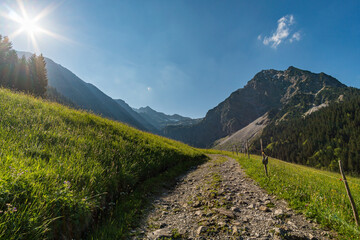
<point x="217" y="200"/>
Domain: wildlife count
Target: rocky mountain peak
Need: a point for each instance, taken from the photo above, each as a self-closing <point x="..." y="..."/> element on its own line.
<point x="145" y="109"/>
<point x="292" y="81"/>
<point x="294" y="71"/>
<point x="292" y="91"/>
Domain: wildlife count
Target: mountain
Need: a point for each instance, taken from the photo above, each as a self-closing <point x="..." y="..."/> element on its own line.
<point x="85" y="95"/>
<point x="287" y="94"/>
<point x="141" y="119"/>
<point x="160" y="120"/>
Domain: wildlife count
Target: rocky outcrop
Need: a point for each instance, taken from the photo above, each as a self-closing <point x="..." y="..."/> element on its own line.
<point x="240" y="137"/>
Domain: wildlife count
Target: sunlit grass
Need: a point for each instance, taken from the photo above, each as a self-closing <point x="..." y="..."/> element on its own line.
<point x="63" y="171"/>
<point x="61" y="168"/>
<point x="320" y="195"/>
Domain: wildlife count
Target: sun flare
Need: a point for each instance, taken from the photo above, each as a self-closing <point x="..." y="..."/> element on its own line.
<point x="30" y="24"/>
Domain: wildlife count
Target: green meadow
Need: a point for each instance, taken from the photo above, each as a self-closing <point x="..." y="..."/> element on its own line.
<point x="62" y="170"/>
<point x="320" y="195"/>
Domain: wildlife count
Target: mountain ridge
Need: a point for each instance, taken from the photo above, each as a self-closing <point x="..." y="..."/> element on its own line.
<point x="88" y="97"/>
<point x="137" y="116"/>
<point x="85" y="95"/>
<point x="161" y="120"/>
<point x="267" y="90"/>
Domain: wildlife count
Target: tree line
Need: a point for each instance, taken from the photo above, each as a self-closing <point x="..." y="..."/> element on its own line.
<point x="321" y="139"/>
<point x="21" y="74"/>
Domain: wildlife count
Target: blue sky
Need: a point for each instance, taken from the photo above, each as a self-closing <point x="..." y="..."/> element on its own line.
<point x="187" y="56"/>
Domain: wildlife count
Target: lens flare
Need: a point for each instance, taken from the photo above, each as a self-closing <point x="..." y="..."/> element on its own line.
<point x="30" y="25"/>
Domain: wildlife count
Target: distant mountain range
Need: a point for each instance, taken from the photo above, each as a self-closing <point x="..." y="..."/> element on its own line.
<point x="271" y="95"/>
<point x="88" y="97"/>
<point x="160" y="120"/>
<point x="144" y="121"/>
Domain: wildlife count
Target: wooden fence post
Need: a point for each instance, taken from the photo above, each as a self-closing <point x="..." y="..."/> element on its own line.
<point x="356" y="216"/>
<point x="265" y="162"/>
<point x="266" y="172"/>
<point x="265" y="158"/>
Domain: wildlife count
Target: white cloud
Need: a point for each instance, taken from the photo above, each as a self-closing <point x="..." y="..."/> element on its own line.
<point x="282" y="33"/>
<point x="291" y="20"/>
<point x="296" y="36"/>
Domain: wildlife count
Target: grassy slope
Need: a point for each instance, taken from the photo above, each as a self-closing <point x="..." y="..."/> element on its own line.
<point x="318" y="194"/>
<point x="60" y="167"/>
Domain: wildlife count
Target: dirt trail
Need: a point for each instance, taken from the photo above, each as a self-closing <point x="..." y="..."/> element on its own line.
<point x="217" y="200"/>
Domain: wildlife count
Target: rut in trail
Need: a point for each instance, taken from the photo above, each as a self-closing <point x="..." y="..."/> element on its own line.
<point x="217" y="200"/>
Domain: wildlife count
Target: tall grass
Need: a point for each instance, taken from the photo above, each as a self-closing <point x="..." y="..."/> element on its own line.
<point x="130" y="209"/>
<point x="318" y="194"/>
<point x="60" y="168"/>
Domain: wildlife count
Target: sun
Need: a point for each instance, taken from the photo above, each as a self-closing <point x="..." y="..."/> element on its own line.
<point x="30" y="24"/>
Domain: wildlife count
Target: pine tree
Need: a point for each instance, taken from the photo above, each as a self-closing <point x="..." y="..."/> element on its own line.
<point x="22" y="77"/>
<point x="13" y="62"/>
<point x="21" y="74"/>
<point x="33" y="82"/>
<point x="41" y="79"/>
<point x="5" y="50"/>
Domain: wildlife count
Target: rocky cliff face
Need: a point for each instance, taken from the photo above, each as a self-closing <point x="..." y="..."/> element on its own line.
<point x="269" y="89"/>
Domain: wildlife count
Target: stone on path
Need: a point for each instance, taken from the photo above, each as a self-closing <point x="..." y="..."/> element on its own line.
<point x="278" y="212"/>
<point x="201" y="229"/>
<point x="225" y="212"/>
<point x="160" y="233"/>
<point x="264" y="208"/>
<point x="235" y="209"/>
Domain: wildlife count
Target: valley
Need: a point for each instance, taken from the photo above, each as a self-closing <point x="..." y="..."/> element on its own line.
<point x="78" y="164"/>
<point x="103" y="174"/>
<point x="270" y="102"/>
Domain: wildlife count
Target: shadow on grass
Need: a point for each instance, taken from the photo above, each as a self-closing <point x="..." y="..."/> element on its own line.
<point x="127" y="212"/>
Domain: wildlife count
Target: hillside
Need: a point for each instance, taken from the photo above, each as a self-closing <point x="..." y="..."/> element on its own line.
<point x="161" y="120"/>
<point x="293" y="91"/>
<point x="63" y="169"/>
<point x="319" y="139"/>
<point x="85" y="95"/>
